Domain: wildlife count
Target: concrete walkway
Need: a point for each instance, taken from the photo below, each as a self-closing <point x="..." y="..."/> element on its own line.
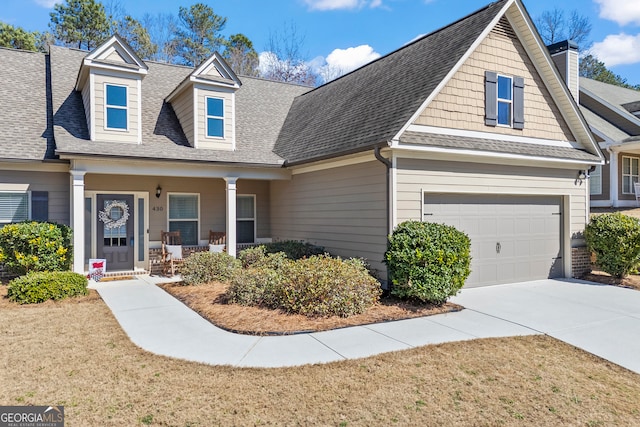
<point x="161" y="324"/>
<point x="603" y="320"/>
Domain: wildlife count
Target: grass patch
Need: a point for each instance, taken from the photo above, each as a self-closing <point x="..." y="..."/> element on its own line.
<point x="74" y="353"/>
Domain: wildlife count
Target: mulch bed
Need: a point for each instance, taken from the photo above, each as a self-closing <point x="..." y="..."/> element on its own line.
<point x="632" y="281"/>
<point x="208" y="301"/>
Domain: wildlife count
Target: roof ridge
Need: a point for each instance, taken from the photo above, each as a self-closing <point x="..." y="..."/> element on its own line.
<point x="21" y="50"/>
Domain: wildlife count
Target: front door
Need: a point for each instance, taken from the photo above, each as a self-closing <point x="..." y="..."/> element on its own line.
<point x="115" y="230"/>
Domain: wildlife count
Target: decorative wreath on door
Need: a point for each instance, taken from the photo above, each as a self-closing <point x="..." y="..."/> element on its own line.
<point x="109" y="221"/>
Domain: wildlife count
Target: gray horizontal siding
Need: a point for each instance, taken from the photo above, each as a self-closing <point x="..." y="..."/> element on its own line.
<point x="343" y="209"/>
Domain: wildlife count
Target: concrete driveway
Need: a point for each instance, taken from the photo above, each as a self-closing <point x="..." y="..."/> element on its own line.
<point x="601" y="319"/>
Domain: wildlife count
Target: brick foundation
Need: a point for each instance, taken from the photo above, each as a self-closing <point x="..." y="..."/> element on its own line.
<point x="580" y="261"/>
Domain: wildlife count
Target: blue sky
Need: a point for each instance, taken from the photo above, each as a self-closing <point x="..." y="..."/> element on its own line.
<point x="348" y="33"/>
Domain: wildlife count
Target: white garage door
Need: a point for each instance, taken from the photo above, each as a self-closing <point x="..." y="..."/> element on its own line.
<point x="513" y="238"/>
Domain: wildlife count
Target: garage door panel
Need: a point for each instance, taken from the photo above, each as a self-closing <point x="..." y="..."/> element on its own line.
<point x="513" y="238"/>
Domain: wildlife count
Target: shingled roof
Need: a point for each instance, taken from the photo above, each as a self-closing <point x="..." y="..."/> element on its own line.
<point x="369" y="106"/>
<point x="25" y="132"/>
<point x="261" y="107"/>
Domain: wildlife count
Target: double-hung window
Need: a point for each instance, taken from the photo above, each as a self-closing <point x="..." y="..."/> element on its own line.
<point x="595" y="181"/>
<point x="246" y="218"/>
<point x="116" y="107"/>
<point x="504" y="100"/>
<point x="215" y="117"/>
<point x="629" y="174"/>
<point x="21" y="206"/>
<point x="184" y="216"/>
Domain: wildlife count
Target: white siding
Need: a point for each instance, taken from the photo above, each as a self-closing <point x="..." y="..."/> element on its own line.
<point x="343" y="209"/>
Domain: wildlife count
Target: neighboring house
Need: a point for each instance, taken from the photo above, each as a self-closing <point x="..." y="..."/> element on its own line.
<point x="470" y="125"/>
<point x="613" y="114"/>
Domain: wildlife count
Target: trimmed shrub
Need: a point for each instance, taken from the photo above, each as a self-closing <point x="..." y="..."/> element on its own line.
<point x="36" y="287"/>
<point x="35" y="246"/>
<point x="615" y="240"/>
<point x="426" y="261"/>
<point x="325" y="286"/>
<point x="254" y="287"/>
<point x="294" y="249"/>
<point x="252" y="255"/>
<point x="205" y="267"/>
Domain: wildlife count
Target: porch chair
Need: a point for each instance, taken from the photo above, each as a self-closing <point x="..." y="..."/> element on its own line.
<point x="172" y="256"/>
<point x="217" y="241"/>
<point x="636" y="189"/>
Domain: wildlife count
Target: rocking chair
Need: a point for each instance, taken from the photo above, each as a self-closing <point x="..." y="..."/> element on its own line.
<point x="172" y="256"/>
<point x="217" y="241"/>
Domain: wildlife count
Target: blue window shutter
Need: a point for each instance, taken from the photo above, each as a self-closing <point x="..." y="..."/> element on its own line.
<point x="518" y="103"/>
<point x="40" y="205"/>
<point x="491" y="98"/>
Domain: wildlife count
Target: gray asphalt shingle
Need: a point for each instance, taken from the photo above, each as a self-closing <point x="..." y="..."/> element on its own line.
<point x="369" y="106"/>
<point x="494" y="146"/>
<point x="261" y="107"/>
<point x="25" y="133"/>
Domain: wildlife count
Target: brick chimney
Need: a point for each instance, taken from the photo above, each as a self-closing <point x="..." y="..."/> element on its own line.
<point x="565" y="56"/>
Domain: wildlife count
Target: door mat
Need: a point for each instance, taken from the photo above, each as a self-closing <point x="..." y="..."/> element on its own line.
<point x="116" y="278"/>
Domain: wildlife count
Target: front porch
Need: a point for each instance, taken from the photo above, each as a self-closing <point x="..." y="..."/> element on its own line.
<point x="119" y="217"/>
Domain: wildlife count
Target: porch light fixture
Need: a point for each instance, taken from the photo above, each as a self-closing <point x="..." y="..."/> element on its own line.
<point x="158" y="191"/>
<point x="582" y="175"/>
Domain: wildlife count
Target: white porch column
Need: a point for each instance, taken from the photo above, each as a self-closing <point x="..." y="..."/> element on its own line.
<point x="614" y="177"/>
<point x="231" y="216"/>
<point x="77" y="219"/>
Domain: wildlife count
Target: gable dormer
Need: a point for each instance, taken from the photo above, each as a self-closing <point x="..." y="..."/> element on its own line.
<point x="205" y="105"/>
<point x="110" y="80"/>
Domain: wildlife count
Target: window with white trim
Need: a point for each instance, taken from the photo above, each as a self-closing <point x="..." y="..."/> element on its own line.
<point x="595" y="181"/>
<point x="184" y="216"/>
<point x="21" y="206"/>
<point x="246" y="218"/>
<point x="116" y="110"/>
<point x="504" y="100"/>
<point x="215" y="117"/>
<point x="629" y="173"/>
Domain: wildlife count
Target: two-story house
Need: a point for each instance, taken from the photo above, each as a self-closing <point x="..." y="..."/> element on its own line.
<point x="471" y="125"/>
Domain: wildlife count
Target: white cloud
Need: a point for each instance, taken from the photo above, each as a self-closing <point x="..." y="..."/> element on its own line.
<point x="341" y="4"/>
<point x="621" y="11"/>
<point x="47" y="3"/>
<point x="342" y="61"/>
<point x="618" y="49"/>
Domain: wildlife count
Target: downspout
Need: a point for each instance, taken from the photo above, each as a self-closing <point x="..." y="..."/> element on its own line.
<point x="387" y="163"/>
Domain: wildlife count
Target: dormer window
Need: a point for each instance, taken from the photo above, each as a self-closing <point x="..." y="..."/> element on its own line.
<point x="215" y="117"/>
<point x="505" y="100"/>
<point x="116" y="107"/>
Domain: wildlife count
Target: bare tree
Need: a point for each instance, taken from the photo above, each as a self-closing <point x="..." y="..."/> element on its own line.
<point x="284" y="60"/>
<point x="554" y="27"/>
<point x="161" y="28"/>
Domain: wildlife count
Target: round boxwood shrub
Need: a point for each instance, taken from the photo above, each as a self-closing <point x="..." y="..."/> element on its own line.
<point x="615" y="240"/>
<point x="205" y="267"/>
<point x="325" y="286"/>
<point x="35" y="246"/>
<point x="36" y="287"/>
<point x="254" y="286"/>
<point x="427" y="261"/>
